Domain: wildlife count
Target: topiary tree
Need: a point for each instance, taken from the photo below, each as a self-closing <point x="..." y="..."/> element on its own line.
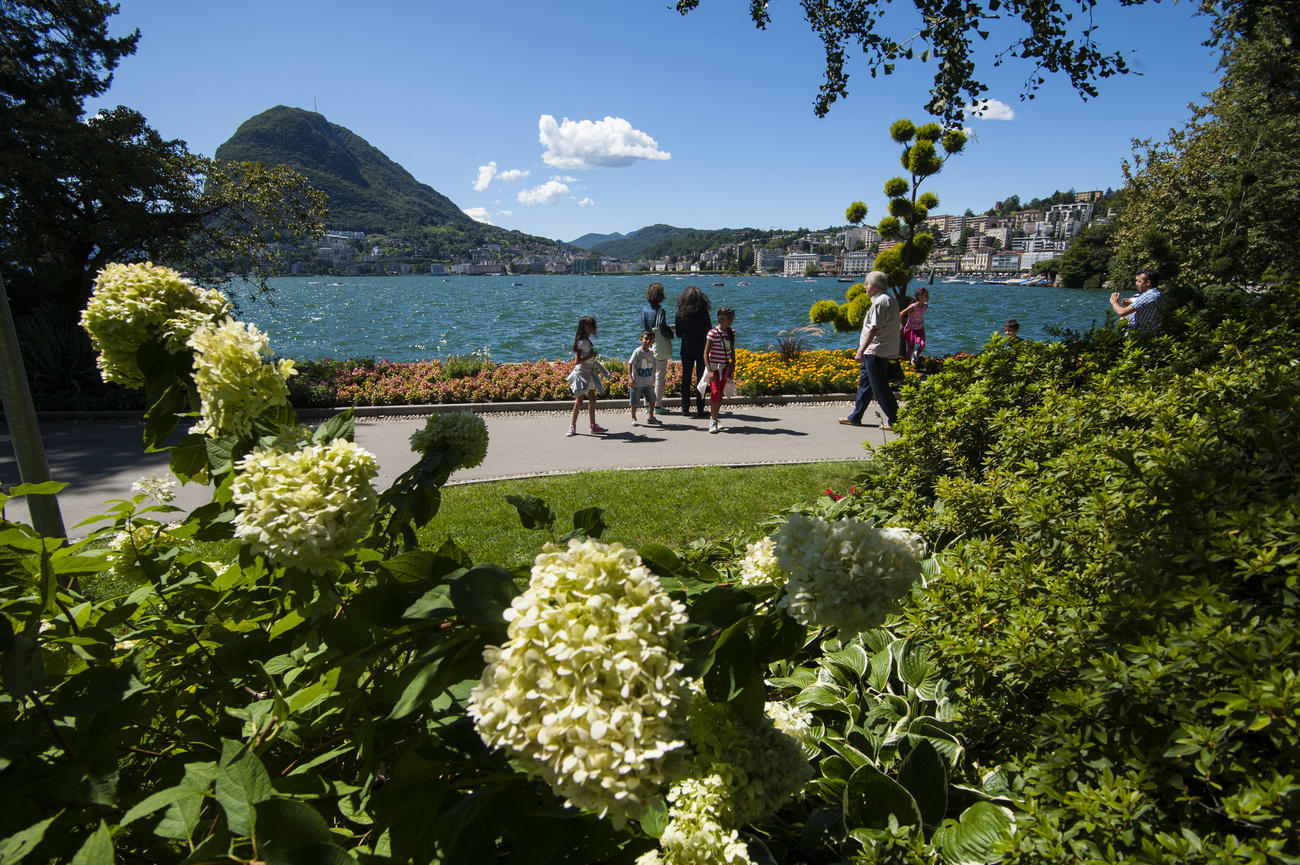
<point x="908" y="210"/>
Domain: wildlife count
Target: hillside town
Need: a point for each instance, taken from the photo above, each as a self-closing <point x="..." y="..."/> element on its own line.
<point x="994" y="242"/>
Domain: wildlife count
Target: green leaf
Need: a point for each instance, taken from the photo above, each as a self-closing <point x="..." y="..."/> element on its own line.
<point x="533" y="512"/>
<point x="655" y="819"/>
<point x="291" y="832"/>
<point x="881" y="664"/>
<point x="432" y="603"/>
<point x="482" y="595"/>
<point x="98" y="849"/>
<point x="974" y="836"/>
<point x="589" y="523"/>
<point x="659" y="559"/>
<point x="341" y="426"/>
<point x="925" y="775"/>
<point x="916" y="669"/>
<point x="852" y="658"/>
<point x="189" y="458"/>
<point x="19" y="844"/>
<point x="45" y="488"/>
<point x="871" y="798"/>
<point x="242" y="782"/>
<point x="221" y="454"/>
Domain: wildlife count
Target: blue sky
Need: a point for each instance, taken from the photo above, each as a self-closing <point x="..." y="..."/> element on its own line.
<point x="604" y="116"/>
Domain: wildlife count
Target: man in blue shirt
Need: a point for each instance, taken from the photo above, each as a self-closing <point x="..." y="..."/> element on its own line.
<point x="1145" y="312"/>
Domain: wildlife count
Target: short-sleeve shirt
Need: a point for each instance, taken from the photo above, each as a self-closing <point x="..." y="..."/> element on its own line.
<point x="642" y="364"/>
<point x="883" y="314"/>
<point x="1148" y="311"/>
<point x="721" y="347"/>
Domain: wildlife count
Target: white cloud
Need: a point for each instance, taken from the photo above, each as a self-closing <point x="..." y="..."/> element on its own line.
<point x="485" y="175"/>
<point x="506" y="213"/>
<point x="548" y="193"/>
<point x="585" y="144"/>
<point x="991" y="109"/>
<point x="478" y="214"/>
<point x="586" y="202"/>
<point x="565" y="179"/>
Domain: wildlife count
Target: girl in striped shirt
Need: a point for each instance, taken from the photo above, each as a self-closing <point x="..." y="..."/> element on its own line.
<point x="720" y="361"/>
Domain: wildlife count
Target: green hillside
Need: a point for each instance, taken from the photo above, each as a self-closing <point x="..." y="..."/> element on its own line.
<point x="367" y="190"/>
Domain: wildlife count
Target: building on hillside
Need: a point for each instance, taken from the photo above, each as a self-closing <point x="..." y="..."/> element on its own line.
<point x="859" y="261"/>
<point x="494" y="268"/>
<point x="767" y="259"/>
<point x="436" y="269"/>
<point x="975" y="262"/>
<point x="1005" y="262"/>
<point x="859" y="237"/>
<point x="1029" y="259"/>
<point x="1086" y="197"/>
<point x="796" y="263"/>
<point x="585" y="265"/>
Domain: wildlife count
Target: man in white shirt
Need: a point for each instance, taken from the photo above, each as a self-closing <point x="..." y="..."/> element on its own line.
<point x="877" y="347"/>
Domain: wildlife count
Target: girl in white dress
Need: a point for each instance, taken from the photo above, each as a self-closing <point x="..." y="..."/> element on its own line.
<point x="587" y="377"/>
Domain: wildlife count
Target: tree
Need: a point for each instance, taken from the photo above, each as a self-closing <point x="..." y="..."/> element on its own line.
<point x="77" y="193"/>
<point x="812" y="270"/>
<point x="1219" y="199"/>
<point x="1086" y="262"/>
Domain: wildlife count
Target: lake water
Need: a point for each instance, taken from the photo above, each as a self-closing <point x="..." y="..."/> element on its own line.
<point x="405" y="318"/>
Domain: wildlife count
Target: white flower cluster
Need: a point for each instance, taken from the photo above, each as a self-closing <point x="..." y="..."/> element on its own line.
<point x="305" y="508"/>
<point x="759" y="567"/>
<point x="128" y="546"/>
<point x="845" y="574"/>
<point x="585" y="690"/>
<point x="161" y="489"/>
<point x="695" y="834"/>
<point x="133" y="303"/>
<point x="792" y="721"/>
<point x="235" y="386"/>
<point x="463" y="432"/>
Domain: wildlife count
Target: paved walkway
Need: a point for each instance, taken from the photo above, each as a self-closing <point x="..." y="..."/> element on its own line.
<point x="100" y="459"/>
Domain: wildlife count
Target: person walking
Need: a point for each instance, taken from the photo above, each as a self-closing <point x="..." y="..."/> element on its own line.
<point x="641" y="378"/>
<point x="720" y="360"/>
<point x="877" y="346"/>
<point x="654" y="318"/>
<point x="587" y="376"/>
<point x="691" y="324"/>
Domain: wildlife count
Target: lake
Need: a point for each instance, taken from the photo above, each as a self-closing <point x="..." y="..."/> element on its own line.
<point x="515" y="318"/>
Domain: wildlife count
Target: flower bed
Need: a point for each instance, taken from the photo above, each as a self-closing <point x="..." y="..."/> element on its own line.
<point x="380" y="382"/>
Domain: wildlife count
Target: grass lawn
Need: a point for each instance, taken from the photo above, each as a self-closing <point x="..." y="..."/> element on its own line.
<point x="667" y="506"/>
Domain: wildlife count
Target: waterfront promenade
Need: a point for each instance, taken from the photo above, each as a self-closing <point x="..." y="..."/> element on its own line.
<point x="101" y="458"/>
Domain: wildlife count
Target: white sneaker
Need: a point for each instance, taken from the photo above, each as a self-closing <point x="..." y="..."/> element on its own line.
<point x="713" y="426"/>
<point x="634" y="423"/>
<point x="573" y="431"/>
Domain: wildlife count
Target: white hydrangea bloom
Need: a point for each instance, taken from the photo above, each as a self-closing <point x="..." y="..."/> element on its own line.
<point x="585" y="690"/>
<point x="305" y="508"/>
<point x="235" y="386"/>
<point x="759" y="567"/>
<point x="845" y="574"/>
<point x="462" y="431"/>
<point x="128" y="546"/>
<point x="133" y="303"/>
<point x="160" y="489"/>
<point x="792" y="721"/>
<point x="695" y="834"/>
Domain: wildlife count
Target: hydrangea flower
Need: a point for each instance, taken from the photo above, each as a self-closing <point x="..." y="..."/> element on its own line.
<point x="463" y="432"/>
<point x="133" y="303"/>
<point x="161" y="489"/>
<point x="130" y="545"/>
<point x="845" y="574"/>
<point x="234" y="385"/>
<point x="585" y="691"/>
<point x="792" y="721"/>
<point x="759" y="567"/>
<point x="305" y="508"/>
<point x="695" y="834"/>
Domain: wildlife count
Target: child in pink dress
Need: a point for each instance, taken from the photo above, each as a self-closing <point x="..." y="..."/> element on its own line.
<point x="914" y="325"/>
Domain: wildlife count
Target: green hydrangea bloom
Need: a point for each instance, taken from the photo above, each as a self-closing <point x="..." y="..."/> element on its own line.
<point x="463" y="432"/>
<point x="134" y="303"/>
<point x="845" y="574"/>
<point x="234" y="385"/>
<point x="759" y="567"/>
<point x="585" y="691"/>
<point x="305" y="508"/>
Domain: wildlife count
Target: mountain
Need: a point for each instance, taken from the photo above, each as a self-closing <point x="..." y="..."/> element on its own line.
<point x="587" y="241"/>
<point x="367" y="190"/>
<point x="632" y="245"/>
